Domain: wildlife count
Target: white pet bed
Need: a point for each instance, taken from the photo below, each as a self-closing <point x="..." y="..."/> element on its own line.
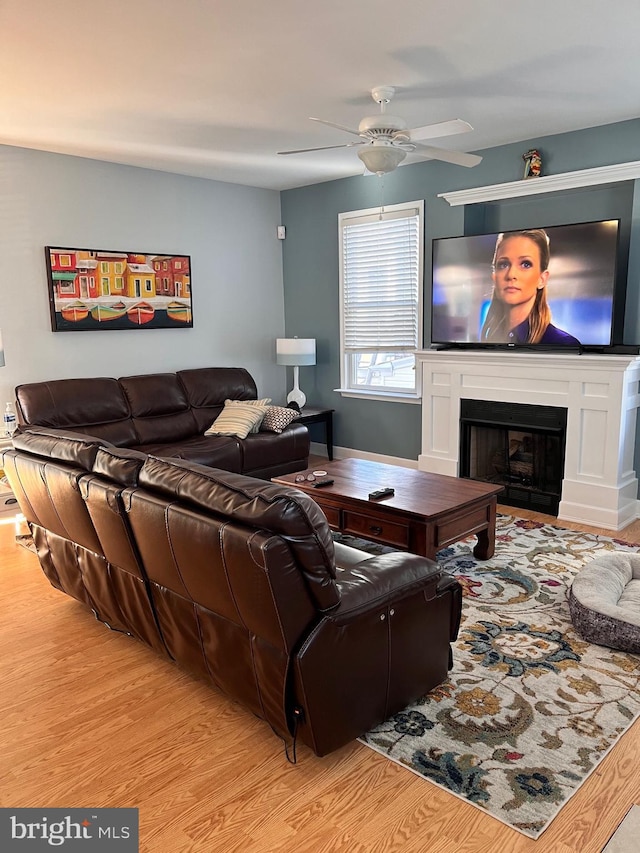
<point x="604" y="601"/>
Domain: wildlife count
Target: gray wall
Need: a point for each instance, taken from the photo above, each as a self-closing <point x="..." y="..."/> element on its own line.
<point x="229" y="231"/>
<point x="311" y="282"/>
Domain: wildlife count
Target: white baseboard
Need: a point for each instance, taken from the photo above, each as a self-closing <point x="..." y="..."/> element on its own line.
<point x="320" y="449"/>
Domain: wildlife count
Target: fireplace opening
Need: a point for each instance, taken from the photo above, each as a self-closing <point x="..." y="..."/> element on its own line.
<point x="518" y="446"/>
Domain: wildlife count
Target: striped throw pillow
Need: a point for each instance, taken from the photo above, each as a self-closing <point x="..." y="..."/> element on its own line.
<point x="264" y="402"/>
<point x="238" y="418"/>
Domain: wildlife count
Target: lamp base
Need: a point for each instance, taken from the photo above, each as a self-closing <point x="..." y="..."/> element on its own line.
<point x="296" y="396"/>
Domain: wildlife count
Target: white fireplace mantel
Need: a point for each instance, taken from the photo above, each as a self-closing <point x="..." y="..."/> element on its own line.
<point x="549" y="183"/>
<point x="600" y="392"/>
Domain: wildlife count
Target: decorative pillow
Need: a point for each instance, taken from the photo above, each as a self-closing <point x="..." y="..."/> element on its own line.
<point x="238" y="417"/>
<point x="277" y="418"/>
<point x="264" y="402"/>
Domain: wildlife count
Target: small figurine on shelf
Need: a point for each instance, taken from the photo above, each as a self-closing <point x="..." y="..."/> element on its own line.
<point x="532" y="163"/>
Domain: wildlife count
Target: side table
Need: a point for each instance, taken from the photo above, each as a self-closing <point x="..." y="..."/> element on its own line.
<point x="312" y="415"/>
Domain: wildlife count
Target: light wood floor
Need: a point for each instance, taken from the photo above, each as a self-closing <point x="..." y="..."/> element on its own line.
<point x="91" y="718"/>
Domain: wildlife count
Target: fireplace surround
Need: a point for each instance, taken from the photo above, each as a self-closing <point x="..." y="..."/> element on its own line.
<point x="601" y="396"/>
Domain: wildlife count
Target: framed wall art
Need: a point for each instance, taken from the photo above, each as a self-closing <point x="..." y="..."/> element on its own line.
<point x="95" y="290"/>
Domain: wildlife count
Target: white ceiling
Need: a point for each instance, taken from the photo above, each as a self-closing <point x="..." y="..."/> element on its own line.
<point x="214" y="88"/>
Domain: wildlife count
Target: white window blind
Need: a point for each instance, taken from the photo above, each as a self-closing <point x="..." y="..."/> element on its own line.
<point x="381" y="270"/>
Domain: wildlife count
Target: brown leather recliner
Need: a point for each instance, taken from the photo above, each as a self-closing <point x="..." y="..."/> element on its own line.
<point x="166" y="414"/>
<point x="239" y="581"/>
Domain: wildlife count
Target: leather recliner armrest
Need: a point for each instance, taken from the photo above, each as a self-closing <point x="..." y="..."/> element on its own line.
<point x="380" y="580"/>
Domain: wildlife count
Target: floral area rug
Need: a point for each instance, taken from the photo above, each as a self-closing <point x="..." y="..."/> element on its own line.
<point x="529" y="708"/>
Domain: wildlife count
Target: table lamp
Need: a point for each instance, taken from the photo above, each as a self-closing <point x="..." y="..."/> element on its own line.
<point x="296" y="352"/>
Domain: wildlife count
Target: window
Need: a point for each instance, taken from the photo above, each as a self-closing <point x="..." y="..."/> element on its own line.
<point x="381" y="274"/>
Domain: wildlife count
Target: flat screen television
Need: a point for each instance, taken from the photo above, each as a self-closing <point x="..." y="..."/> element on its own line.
<point x="485" y="288"/>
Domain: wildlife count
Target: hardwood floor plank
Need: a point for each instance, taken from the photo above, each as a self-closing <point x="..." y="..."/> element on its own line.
<point x="94" y="718"/>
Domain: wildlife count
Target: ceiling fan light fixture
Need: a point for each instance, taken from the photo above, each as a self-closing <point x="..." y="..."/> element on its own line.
<point x="386" y="140"/>
<point x="381" y="159"/>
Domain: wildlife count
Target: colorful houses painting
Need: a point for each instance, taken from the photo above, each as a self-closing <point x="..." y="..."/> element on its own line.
<point x="92" y="289"/>
<point x="172" y="276"/>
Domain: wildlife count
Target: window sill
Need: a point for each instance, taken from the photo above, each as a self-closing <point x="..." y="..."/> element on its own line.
<point x="382" y="396"/>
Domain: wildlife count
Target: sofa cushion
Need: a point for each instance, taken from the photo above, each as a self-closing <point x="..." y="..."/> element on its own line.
<point x="208" y="387"/>
<point x="264" y="453"/>
<point x="95" y="406"/>
<point x="277" y="418"/>
<point x="62" y="446"/>
<point x="119" y="464"/>
<point x="238" y="418"/>
<point x="218" y="451"/>
<point x="159" y="407"/>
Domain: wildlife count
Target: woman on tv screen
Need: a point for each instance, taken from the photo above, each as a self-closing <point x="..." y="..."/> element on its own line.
<point x="519" y="312"/>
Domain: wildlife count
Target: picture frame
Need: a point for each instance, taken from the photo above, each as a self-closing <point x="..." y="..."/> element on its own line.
<point x="107" y="290"/>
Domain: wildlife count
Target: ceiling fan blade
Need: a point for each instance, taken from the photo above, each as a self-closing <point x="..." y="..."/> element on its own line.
<point x="333" y="124"/>
<point x="458" y="158"/>
<point x="321" y="148"/>
<point x="441" y="128"/>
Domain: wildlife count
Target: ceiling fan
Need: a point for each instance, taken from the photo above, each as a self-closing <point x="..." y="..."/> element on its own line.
<point x="387" y="140"/>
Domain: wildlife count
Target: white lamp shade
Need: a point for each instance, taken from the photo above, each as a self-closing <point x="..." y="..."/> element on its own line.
<point x="296" y="351"/>
<point x="1" y="351"/>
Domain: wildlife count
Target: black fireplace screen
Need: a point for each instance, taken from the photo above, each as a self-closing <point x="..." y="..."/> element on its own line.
<point x="520" y="447"/>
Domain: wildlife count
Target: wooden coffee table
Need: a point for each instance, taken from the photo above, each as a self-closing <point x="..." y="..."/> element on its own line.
<point x="426" y="513"/>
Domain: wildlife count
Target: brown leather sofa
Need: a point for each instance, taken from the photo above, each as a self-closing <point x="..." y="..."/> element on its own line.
<point x="166" y="414"/>
<point x="239" y="581"/>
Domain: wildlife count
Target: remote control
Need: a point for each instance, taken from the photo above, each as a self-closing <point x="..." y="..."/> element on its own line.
<point x="381" y="493"/>
<point x="320" y="483"/>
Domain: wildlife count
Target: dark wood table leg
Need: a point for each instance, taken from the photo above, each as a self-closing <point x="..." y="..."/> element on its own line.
<point x="329" y="435"/>
<point x="320" y="416"/>
<point x="487" y="538"/>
